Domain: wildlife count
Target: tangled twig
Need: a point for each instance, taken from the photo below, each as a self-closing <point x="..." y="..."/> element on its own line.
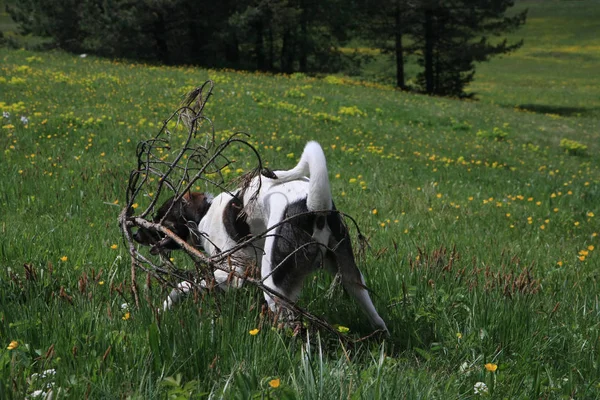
<point x="163" y="167"/>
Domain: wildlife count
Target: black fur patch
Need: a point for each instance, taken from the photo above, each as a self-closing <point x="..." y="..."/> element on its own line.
<point x="266" y="172"/>
<point x="337" y="226"/>
<point x="292" y="237"/>
<point x="235" y="221"/>
<point x="320" y="222"/>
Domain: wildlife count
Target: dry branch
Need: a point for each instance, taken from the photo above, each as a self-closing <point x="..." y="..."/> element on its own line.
<point x="170" y="170"/>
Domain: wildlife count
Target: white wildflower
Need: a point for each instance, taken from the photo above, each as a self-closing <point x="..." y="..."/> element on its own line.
<point x="480" y="388"/>
<point x="48" y="372"/>
<point x="37" y="393"/>
<point x="24" y="120"/>
<point x="6" y="114"/>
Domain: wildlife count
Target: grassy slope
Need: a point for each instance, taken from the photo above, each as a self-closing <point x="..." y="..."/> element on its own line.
<point x="555" y="70"/>
<point x="418" y="161"/>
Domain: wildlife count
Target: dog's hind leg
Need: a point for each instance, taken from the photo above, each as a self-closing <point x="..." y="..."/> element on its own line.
<point x="341" y="260"/>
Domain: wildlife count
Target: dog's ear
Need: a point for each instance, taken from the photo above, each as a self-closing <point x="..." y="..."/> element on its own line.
<point x="192" y="207"/>
<point x="162" y="211"/>
<point x="196" y="207"/>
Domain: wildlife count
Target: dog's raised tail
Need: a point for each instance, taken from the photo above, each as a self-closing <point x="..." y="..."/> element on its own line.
<point x="312" y="164"/>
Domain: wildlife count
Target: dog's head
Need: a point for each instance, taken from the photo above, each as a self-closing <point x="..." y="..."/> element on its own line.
<point x="179" y="217"/>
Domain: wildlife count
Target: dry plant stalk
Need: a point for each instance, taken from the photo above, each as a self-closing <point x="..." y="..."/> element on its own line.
<point x="165" y="170"/>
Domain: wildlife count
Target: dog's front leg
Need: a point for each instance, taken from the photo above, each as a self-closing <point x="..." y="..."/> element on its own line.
<point x="269" y="263"/>
<point x="226" y="280"/>
<point x="182" y="289"/>
<point x="266" y="272"/>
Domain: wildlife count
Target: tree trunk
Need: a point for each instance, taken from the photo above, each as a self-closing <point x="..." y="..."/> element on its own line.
<point x="287" y="53"/>
<point x="232" y="51"/>
<point x="303" y="57"/>
<point x="429" y="44"/>
<point x="271" y="58"/>
<point x="399" y="50"/>
<point x="259" y="47"/>
<point x="160" y="37"/>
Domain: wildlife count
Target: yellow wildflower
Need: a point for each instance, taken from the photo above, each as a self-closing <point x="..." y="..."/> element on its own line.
<point x="274" y="383"/>
<point x="13" y="345"/>
<point x="343" y="329"/>
<point x="491" y="367"/>
<point x="254" y="332"/>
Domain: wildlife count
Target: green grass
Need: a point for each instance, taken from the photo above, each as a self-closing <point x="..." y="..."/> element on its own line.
<point x="554" y="71"/>
<point x="493" y="183"/>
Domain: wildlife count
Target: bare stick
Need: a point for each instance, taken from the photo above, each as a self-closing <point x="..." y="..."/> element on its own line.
<point x="197" y="159"/>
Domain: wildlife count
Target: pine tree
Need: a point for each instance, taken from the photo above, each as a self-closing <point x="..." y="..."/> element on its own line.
<point x="451" y="36"/>
<point x="58" y="19"/>
<point x="386" y="24"/>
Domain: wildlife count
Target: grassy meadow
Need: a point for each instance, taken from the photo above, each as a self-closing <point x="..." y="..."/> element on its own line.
<point x="482" y="219"/>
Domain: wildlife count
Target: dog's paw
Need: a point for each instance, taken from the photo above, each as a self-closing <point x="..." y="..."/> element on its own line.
<point x="182" y="289"/>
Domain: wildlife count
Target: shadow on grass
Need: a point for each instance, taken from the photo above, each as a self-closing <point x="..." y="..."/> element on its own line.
<point x="563" y="111"/>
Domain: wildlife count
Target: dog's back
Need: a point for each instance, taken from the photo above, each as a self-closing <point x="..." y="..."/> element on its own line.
<point x="305" y="231"/>
<point x="299" y="227"/>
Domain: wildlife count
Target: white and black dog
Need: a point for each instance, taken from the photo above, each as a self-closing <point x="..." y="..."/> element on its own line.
<point x="313" y="235"/>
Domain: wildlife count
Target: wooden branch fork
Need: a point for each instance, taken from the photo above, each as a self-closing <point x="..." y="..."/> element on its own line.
<point x="162" y="167"/>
